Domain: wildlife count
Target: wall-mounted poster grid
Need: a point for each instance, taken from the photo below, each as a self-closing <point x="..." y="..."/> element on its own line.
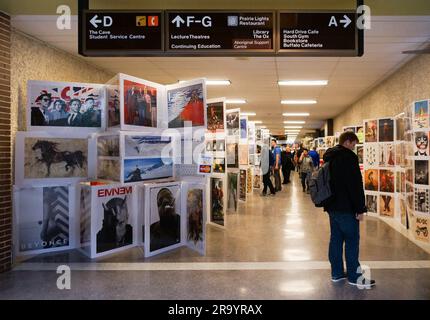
<point x="217" y="205"/>
<point x="52" y="158"/>
<point x="44" y="219"/>
<point x="108" y="218"/>
<point x="65" y="107"/>
<point x="146" y="157"/>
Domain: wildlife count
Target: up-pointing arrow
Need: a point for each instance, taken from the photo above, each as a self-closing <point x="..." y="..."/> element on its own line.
<point x="347" y="21"/>
<point x="178" y="20"/>
<point x="94" y="21"/>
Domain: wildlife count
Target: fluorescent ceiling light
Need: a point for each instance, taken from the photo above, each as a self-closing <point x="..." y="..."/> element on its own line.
<point x="297" y="131"/>
<point x="298" y="101"/>
<point x="305" y="114"/>
<point x="236" y="101"/>
<point x="213" y="82"/>
<point x="303" y="82"/>
<point x="257" y="122"/>
<point x="250" y="114"/>
<point x="294" y="122"/>
<point x="293" y="127"/>
<point x="262" y="127"/>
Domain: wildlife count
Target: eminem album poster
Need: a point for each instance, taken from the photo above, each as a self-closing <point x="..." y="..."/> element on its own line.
<point x="371" y="154"/>
<point x="232" y="196"/>
<point x="422" y="200"/>
<point x="136" y="170"/>
<point x="386" y="130"/>
<point x="421" y="114"/>
<point x="108" y="169"/>
<point x="140" y="102"/>
<point x="65" y="105"/>
<point x="371" y="180"/>
<point x="219" y="165"/>
<point x="217" y="201"/>
<point x="386" y="155"/>
<point x="232" y="155"/>
<point x="372" y="203"/>
<point x="114" y="105"/>
<point x="114" y="217"/>
<point x="422" y="229"/>
<point x="232" y="121"/>
<point x="242" y="185"/>
<point x="147" y="146"/>
<point x="386" y="205"/>
<point x="43" y="218"/>
<point x="421" y="145"/>
<point x="243" y="128"/>
<point x="421" y="172"/>
<point x="186" y="103"/>
<point x="215" y="116"/>
<point x="195" y="218"/>
<point x="371" y="131"/>
<point x="108" y="146"/>
<point x="165" y="217"/>
<point x="386" y="181"/>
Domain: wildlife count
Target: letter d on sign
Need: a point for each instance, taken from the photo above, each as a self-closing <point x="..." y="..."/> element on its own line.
<point x="64" y="281"/>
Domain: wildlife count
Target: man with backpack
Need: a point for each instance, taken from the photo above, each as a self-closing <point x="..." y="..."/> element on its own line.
<point x="345" y="207"/>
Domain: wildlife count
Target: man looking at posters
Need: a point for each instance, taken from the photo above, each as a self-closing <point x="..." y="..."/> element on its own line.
<point x="277" y="167"/>
<point x="345" y="210"/>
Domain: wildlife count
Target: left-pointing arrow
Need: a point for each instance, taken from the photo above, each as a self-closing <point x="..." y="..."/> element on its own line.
<point x="94" y="21"/>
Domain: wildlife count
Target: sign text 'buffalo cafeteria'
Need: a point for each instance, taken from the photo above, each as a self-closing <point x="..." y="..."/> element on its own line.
<point x="220" y="31"/>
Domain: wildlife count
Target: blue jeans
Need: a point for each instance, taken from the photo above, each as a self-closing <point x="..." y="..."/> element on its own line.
<point x="345" y="228"/>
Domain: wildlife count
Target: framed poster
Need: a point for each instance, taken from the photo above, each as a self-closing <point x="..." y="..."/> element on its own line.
<point x="232" y="191"/>
<point x="186" y="104"/>
<point x="386" y="205"/>
<point x="386" y="130"/>
<point x="421" y="114"/>
<point x="215" y="116"/>
<point x="242" y="184"/>
<point x="371" y="131"/>
<point x="232" y="122"/>
<point x="218" y="202"/>
<point x="43" y="158"/>
<point x="163" y="218"/>
<point x="141" y="102"/>
<point x="65" y="107"/>
<point x="44" y="219"/>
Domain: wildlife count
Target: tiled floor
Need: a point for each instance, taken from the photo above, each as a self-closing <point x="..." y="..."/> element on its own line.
<point x="276" y="247"/>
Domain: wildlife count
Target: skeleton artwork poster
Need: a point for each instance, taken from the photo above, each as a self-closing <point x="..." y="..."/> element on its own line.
<point x="386" y="205"/>
<point x="371" y="131"/>
<point x="421" y="145"/>
<point x="422" y="200"/>
<point x="215" y="116"/>
<point x="421" y="114"/>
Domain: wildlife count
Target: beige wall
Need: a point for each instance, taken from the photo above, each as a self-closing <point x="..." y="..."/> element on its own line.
<point x="410" y="83"/>
<point x="32" y="59"/>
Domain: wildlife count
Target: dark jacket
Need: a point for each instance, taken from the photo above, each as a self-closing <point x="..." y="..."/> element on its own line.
<point x="346" y="181"/>
<point x="287" y="160"/>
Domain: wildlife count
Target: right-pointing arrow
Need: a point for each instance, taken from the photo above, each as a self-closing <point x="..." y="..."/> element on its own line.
<point x="347" y="21"/>
<point x="178" y="20"/>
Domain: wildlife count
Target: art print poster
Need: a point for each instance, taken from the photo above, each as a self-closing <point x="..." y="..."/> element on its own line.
<point x="371" y="155"/>
<point x="371" y="131"/>
<point x="360" y="134"/>
<point x="114" y="217"/>
<point x="215" y="116"/>
<point x="386" y="155"/>
<point x="232" y="198"/>
<point x="195" y="219"/>
<point x="43" y="219"/>
<point x="422" y="229"/>
<point x="108" y="146"/>
<point x="257" y="179"/>
<point x="232" y="120"/>
<point x="108" y="169"/>
<point x="136" y="170"/>
<point x="372" y="203"/>
<point x="403" y="213"/>
<point x="249" y="182"/>
<point x="371" y="180"/>
<point x="422" y="200"/>
<point x="46" y="158"/>
<point x="421" y="114"/>
<point x="386" y="130"/>
<point x="400" y="128"/>
<point x="217" y="201"/>
<point x="421" y="145"/>
<point x="114" y="105"/>
<point x="243" y="154"/>
<point x="65" y="105"/>
<point x="359" y="150"/>
<point x="243" y="128"/>
<point x="151" y="146"/>
<point x="386" y="181"/>
<point x="219" y="165"/>
<point x="232" y="155"/>
<point x="386" y="205"/>
<point x="186" y="104"/>
<point x="242" y="185"/>
<point x="421" y="172"/>
<point x="165" y="217"/>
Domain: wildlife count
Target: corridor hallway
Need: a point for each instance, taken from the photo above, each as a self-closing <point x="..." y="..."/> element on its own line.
<point x="273" y="248"/>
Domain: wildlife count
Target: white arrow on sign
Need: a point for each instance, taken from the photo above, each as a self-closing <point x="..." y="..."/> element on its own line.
<point x="178" y="20"/>
<point x="94" y="21"/>
<point x="346" y="21"/>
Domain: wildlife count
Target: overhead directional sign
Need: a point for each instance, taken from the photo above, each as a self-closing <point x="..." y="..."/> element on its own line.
<point x="318" y="33"/>
<point x="122" y="33"/>
<point x="220" y="32"/>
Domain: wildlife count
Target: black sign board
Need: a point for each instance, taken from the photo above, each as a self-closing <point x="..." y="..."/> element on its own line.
<point x="220" y="32"/>
<point x="122" y="33"/>
<point x="318" y="34"/>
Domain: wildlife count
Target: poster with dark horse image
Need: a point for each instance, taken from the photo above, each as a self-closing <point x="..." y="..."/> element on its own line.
<point x="65" y="105"/>
<point x="43" y="219"/>
<point x="46" y="158"/>
<point x="215" y="116"/>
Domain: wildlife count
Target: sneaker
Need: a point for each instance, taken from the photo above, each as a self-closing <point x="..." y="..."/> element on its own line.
<point x="339" y="278"/>
<point x="366" y="284"/>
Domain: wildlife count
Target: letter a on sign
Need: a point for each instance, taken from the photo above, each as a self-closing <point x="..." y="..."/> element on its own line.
<point x="332" y="21"/>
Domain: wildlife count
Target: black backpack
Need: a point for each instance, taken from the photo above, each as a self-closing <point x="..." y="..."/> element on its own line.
<point x="319" y="186"/>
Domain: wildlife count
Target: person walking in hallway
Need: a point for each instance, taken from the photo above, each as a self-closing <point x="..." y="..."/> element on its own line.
<point x="287" y="164"/>
<point x="345" y="210"/>
<point x="277" y="167"/>
<point x="315" y="157"/>
<point x="266" y="164"/>
<point x="306" y="169"/>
